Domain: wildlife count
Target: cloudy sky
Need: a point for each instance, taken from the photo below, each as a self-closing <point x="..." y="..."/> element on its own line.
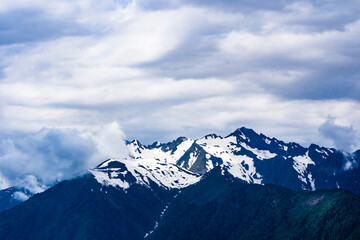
<point x="83" y="71"/>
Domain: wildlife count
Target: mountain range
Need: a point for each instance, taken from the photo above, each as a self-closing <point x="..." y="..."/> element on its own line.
<point x="242" y="186"/>
<point x="255" y="158"/>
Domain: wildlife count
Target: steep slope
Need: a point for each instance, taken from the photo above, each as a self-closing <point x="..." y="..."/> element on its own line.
<point x="85" y="209"/>
<point x="114" y="203"/>
<point x="220" y="208"/>
<point x="119" y="199"/>
<point x="11" y="197"/>
<point x="121" y="173"/>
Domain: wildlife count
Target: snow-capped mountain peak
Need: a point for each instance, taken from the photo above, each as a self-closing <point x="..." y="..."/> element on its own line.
<point x="254" y="158"/>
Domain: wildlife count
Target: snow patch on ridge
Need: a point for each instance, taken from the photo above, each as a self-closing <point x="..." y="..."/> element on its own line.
<point x="260" y="154"/>
<point x="103" y="178"/>
<point x="300" y="165"/>
<point x="137" y="151"/>
<point x="240" y="166"/>
<point x="143" y="172"/>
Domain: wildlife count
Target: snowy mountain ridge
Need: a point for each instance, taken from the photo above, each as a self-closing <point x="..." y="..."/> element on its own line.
<point x="246" y="155"/>
<point x="125" y="172"/>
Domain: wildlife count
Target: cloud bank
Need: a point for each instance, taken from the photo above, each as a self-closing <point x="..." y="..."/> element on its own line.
<point x="342" y="136"/>
<point x="35" y="161"/>
<point x="163" y="69"/>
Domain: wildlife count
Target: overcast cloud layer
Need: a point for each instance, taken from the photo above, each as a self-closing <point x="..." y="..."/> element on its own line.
<point x="289" y="69"/>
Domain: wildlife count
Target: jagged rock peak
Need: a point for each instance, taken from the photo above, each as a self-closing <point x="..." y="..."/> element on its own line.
<point x="212" y="135"/>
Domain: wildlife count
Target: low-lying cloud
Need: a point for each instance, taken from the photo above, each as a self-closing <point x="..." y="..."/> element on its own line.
<point x="34" y="161"/>
<point x="343" y="137"/>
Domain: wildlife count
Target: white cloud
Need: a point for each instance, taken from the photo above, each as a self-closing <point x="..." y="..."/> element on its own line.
<point x="299" y="119"/>
<point x="177" y="68"/>
<point x="292" y="46"/>
<point x="20" y="196"/>
<point x="110" y="141"/>
<point x="343" y="137"/>
<point x="33" y="161"/>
